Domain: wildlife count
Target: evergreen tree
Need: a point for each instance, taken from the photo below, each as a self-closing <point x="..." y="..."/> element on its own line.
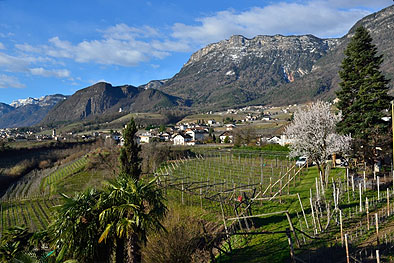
<point x="130" y="162"/>
<point x="363" y="96"/>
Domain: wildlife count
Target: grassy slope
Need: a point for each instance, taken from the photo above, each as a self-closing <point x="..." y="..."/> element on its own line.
<point x="35" y="210"/>
<point x="274" y="248"/>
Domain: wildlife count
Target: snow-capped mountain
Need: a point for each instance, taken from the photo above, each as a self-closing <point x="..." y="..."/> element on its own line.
<point x="43" y="101"/>
<point x="27" y="112"/>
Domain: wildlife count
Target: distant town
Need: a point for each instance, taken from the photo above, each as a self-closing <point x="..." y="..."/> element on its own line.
<point x="193" y="132"/>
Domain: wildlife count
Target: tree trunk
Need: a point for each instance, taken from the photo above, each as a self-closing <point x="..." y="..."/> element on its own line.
<point x="133" y="249"/>
<point x="120" y="248"/>
<point x="321" y="167"/>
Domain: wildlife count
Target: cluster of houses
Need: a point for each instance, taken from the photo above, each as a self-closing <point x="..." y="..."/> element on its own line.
<point x="16" y="134"/>
<point x="181" y="134"/>
<point x="192" y="134"/>
<point x="189" y="134"/>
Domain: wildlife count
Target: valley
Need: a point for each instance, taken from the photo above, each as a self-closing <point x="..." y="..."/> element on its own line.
<point x="261" y="148"/>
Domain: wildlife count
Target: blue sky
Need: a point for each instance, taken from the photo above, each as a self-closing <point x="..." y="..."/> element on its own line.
<point x="60" y="46"/>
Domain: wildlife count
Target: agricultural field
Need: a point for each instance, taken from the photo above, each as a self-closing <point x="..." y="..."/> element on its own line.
<point x="50" y="183"/>
<point x="265" y="202"/>
<point x="268" y="209"/>
<point x="30" y="202"/>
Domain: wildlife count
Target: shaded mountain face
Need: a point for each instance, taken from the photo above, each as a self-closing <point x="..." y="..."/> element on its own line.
<point x="103" y="98"/>
<point x="5" y="108"/>
<point x="275" y="70"/>
<point x="27" y="112"/>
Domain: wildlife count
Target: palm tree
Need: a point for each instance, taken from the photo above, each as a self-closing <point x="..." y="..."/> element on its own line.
<point x="13" y="242"/>
<point x="132" y="207"/>
<point x="76" y="230"/>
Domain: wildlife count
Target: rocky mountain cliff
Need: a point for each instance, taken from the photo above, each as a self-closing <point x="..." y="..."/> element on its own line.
<point x="239" y="70"/>
<point x="273" y="69"/>
<point x="27" y="112"/>
<point x="103" y="98"/>
<point x="324" y="79"/>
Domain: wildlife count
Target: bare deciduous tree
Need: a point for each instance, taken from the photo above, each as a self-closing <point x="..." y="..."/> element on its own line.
<point x="313" y="132"/>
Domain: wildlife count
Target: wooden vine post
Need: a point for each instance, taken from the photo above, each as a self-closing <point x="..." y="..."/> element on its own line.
<point x="292" y="255"/>
<point x="303" y="211"/>
<point x="377" y="228"/>
<point x="292" y="229"/>
<point x="313" y="214"/>
<point x="361" y="202"/>
<point x="388" y="202"/>
<point x="367" y="209"/>
<point x="347" y="250"/>
<point x="341" y="226"/>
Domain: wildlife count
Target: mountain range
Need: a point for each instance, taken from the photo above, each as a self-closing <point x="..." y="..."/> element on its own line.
<point x="103" y="98"/>
<point x="270" y="70"/>
<point x="27" y="112"/>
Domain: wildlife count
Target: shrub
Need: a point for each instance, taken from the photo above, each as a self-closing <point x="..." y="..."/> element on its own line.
<point x="184" y="241"/>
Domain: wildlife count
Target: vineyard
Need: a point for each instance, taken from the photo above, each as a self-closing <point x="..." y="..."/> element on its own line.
<point x="30" y="201"/>
<point x="49" y="183"/>
<point x="272" y="210"/>
<point x="269" y="209"/>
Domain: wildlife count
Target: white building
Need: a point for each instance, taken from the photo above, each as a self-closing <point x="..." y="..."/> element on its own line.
<point x="225" y="135"/>
<point x="211" y="122"/>
<point x="230" y="127"/>
<point x="274" y="139"/>
<point x="182" y="139"/>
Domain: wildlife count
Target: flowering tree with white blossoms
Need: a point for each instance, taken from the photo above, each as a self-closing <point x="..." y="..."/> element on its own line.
<point x="313" y="134"/>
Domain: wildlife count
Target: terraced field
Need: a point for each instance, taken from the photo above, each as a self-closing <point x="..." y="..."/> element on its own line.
<point x="36" y="214"/>
<point x="49" y="183"/>
<point x="31" y="202"/>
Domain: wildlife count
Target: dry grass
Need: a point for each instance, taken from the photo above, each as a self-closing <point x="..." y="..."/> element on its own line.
<point x="184" y="240"/>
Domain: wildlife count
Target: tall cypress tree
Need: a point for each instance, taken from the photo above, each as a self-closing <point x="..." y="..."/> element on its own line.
<point x="364" y="95"/>
<point x="130" y="161"/>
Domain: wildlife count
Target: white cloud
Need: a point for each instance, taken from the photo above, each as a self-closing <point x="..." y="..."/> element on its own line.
<point x="106" y="51"/>
<point x="119" y="46"/>
<point x="25" y="64"/>
<point x="2" y="46"/>
<point x="10" y="82"/>
<point x="124" y="45"/>
<point x="9" y="34"/>
<point x="14" y="63"/>
<point x="58" y="73"/>
<point x="320" y="18"/>
<point x="376" y="4"/>
<point x="124" y="32"/>
<point x="27" y="48"/>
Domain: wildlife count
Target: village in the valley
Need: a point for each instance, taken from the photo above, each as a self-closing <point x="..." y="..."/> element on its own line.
<point x="209" y="128"/>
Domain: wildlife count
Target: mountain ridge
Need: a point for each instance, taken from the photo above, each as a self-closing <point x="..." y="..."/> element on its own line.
<point x="103" y="98"/>
<point x="236" y="72"/>
<point x="274" y="70"/>
<point x="28" y="112"/>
